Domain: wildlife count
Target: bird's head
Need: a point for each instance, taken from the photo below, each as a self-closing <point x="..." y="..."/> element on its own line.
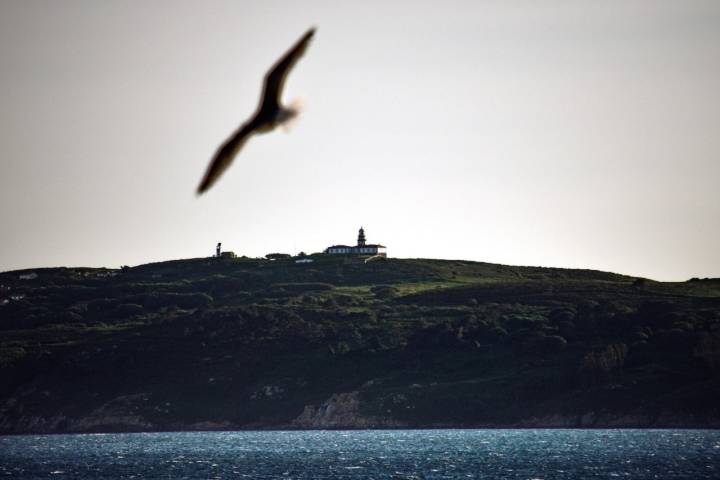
<point x="288" y="116"/>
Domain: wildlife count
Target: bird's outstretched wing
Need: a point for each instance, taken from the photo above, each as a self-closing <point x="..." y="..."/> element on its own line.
<point x="225" y="155"/>
<point x="275" y="78"/>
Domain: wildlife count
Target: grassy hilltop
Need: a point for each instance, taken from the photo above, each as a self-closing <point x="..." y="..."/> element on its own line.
<point x="249" y="343"/>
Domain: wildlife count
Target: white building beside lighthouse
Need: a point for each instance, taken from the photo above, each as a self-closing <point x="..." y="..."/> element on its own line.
<point x="362" y="248"/>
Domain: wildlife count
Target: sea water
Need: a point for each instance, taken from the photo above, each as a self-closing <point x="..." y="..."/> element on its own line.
<point x="401" y="454"/>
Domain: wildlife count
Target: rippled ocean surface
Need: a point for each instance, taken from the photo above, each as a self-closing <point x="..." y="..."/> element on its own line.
<point x="496" y="454"/>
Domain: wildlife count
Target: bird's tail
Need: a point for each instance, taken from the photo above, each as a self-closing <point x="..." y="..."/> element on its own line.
<point x="296" y="107"/>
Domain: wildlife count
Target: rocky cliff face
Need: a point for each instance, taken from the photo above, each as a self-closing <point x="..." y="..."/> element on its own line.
<point x="119" y="414"/>
<point x="341" y="410"/>
<point x="629" y="420"/>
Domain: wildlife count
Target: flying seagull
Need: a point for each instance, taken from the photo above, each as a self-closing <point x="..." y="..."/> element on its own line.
<point x="269" y="114"/>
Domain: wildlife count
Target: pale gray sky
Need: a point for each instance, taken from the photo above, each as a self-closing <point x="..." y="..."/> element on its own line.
<point x="554" y="133"/>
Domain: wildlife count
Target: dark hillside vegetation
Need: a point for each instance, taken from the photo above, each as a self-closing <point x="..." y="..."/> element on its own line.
<point x="250" y="343"/>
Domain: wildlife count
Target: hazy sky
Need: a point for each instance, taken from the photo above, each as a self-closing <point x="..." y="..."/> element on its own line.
<point x="554" y="133"/>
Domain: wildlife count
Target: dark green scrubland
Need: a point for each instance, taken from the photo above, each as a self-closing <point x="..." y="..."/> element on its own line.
<point x="340" y="343"/>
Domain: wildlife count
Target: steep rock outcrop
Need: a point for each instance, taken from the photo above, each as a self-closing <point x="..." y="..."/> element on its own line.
<point x="341" y="410"/>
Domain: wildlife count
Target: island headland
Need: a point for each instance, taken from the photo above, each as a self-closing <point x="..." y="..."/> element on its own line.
<point x="353" y="341"/>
